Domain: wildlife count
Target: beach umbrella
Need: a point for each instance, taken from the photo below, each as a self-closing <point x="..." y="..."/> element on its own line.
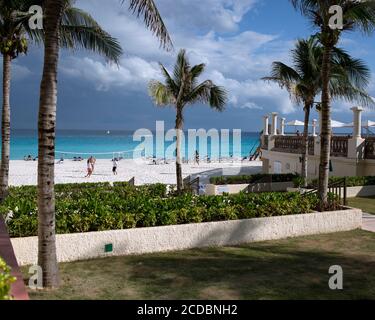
<point x="295" y="123"/>
<point x="338" y="124"/>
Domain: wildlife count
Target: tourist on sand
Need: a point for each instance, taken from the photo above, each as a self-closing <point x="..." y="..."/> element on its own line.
<point x="114" y="166"/>
<point x="197" y="157"/>
<point x="61" y="160"/>
<point x="93" y="161"/>
<point x="90" y="167"/>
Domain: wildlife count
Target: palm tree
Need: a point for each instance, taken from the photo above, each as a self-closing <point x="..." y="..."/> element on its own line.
<point x="78" y="29"/>
<point x="53" y="35"/>
<point x="357" y="15"/>
<point x="303" y="80"/>
<point x="183" y="89"/>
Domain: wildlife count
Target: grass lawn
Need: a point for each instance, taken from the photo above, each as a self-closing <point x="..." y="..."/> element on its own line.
<point x="285" y="269"/>
<point x="366" y="204"/>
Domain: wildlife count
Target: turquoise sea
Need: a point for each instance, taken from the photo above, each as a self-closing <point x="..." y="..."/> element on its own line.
<point x="105" y="145"/>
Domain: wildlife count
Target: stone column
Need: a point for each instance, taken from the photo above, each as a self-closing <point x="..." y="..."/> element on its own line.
<point x="357" y="122"/>
<point x="314" y="125"/>
<point x="266" y="125"/>
<point x="356" y="143"/>
<point x="274" y="124"/>
<point x="282" y="126"/>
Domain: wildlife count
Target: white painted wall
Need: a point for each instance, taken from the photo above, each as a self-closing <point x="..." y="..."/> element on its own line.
<point x="81" y="246"/>
<point x="214" y="190"/>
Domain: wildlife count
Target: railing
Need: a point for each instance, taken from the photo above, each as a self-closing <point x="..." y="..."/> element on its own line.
<point x="131" y="182"/>
<point x="264" y="142"/>
<point x="288" y="144"/>
<point x="337" y="193"/>
<point x="339" y="146"/>
<point x="192" y="185"/>
<point x="370" y="148"/>
<point x="256" y="187"/>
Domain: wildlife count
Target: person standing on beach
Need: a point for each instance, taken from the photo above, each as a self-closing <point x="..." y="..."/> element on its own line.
<point x="89" y="168"/>
<point x="114" y="166"/>
<point x="197" y="157"/>
<point x="93" y="160"/>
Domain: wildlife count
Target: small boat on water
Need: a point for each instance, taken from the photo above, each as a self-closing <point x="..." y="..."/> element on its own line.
<point x="108" y="132"/>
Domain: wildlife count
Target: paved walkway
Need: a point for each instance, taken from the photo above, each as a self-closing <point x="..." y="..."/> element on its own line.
<point x="18" y="290"/>
<point x="368" y="222"/>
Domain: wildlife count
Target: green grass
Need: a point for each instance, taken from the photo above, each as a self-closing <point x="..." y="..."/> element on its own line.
<point x="366" y="204"/>
<point x="286" y="269"/>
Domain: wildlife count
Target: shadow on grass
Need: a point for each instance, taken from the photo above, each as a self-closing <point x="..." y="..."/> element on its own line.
<point x="287" y="269"/>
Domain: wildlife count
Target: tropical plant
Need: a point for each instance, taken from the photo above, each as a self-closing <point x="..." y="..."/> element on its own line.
<point x="183" y="89"/>
<point x="5" y="280"/>
<point x="83" y="208"/>
<point x="356" y="15"/>
<point x="77" y="29"/>
<point x="348" y="80"/>
<point x="54" y="16"/>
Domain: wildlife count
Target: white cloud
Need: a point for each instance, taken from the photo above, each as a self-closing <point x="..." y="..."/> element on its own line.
<point x="251" y="106"/>
<point x="236" y="61"/>
<point x="133" y="73"/>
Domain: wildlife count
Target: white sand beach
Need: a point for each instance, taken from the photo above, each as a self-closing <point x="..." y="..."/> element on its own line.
<point x="25" y="172"/>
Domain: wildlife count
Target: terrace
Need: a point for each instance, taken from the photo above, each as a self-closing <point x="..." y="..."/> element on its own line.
<point x="349" y="150"/>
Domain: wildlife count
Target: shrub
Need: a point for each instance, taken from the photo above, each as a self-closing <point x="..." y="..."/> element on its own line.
<point x="122" y="206"/>
<point x="5" y="281"/>
<point x="252" y="179"/>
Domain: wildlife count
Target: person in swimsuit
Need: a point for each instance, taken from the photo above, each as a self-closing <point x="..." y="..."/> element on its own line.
<point x="89" y="168"/>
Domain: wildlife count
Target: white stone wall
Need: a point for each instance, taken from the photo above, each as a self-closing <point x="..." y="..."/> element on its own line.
<point x="81" y="246"/>
<point x="214" y="190"/>
<point x="364" y="191"/>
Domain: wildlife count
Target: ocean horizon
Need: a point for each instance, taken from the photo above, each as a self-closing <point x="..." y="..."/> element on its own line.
<point x="115" y="143"/>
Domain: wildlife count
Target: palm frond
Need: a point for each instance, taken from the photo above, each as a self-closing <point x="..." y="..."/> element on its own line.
<point x="160" y="93"/>
<point x="152" y="20"/>
<point x="197" y="70"/>
<point x="173" y="87"/>
<point x="91" y="38"/>
<point x="218" y="98"/>
<point x="181" y="68"/>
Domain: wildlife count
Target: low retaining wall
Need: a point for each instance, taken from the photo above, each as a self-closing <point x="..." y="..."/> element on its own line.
<point x="351" y="192"/>
<point x="214" y="190"/>
<point x="81" y="246"/>
<point x="364" y="191"/>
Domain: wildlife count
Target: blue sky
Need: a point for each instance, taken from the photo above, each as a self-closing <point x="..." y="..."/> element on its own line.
<point x="237" y="39"/>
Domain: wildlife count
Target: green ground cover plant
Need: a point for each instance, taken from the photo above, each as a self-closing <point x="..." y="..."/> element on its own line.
<point x="99" y="207"/>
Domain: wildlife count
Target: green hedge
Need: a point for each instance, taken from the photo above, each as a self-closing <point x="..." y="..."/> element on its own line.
<point x="246" y="179"/>
<point x="350" y="181"/>
<point x="5" y="280"/>
<point x="84" y="209"/>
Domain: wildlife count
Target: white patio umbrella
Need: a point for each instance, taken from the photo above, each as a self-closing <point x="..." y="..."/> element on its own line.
<point x="338" y="124"/>
<point x="295" y="123"/>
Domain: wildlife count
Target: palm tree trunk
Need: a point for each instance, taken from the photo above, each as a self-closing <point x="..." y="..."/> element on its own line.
<point x="5" y="128"/>
<point x="179" y="126"/>
<point x="46" y="146"/>
<point x="305" y="147"/>
<point x="325" y="134"/>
